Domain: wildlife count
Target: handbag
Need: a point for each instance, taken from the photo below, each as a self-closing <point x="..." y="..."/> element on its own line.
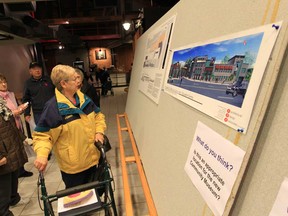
<point x="100" y="172"/>
<point x="28" y="148"/>
<point x="106" y="144"/>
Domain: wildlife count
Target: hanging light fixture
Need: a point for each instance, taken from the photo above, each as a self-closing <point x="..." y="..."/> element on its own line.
<point x="126" y="25"/>
<point x="60" y="46"/>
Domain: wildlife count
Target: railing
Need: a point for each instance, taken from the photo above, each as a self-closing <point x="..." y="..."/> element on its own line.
<point x="132" y="159"/>
<point x="119" y="79"/>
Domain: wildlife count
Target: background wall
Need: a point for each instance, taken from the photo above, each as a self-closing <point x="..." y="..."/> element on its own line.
<point x="164" y="131"/>
<point x="65" y="56"/>
<point x="124" y="57"/>
<point x="14" y="64"/>
<point x="103" y="62"/>
<point x="121" y="58"/>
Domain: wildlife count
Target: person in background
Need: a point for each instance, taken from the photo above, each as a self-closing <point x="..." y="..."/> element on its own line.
<point x="93" y="73"/>
<point x="70" y="124"/>
<point x="12" y="157"/>
<point x="11" y="103"/>
<point x="38" y="90"/>
<point x="99" y="73"/>
<point x="86" y="88"/>
<point x="105" y="77"/>
<point x="128" y="75"/>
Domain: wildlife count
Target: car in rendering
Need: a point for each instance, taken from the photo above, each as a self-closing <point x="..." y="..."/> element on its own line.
<point x="237" y="88"/>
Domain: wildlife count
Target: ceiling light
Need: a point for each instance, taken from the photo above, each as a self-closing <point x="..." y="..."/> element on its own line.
<point x="126" y="25"/>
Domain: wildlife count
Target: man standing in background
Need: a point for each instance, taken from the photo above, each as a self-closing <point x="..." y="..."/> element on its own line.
<point x="38" y="89"/>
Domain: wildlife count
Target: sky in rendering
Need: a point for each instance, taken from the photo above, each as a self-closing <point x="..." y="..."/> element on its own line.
<point x="231" y="47"/>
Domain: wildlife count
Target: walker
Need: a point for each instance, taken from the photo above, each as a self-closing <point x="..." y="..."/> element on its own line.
<point x="106" y="202"/>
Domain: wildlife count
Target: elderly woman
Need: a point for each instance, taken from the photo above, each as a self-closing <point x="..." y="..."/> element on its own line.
<point x="86" y="88"/>
<point x="70" y="123"/>
<point x="12" y="157"/>
<point x="12" y="104"/>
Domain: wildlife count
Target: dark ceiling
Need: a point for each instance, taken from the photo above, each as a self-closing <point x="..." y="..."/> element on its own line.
<point x="75" y="23"/>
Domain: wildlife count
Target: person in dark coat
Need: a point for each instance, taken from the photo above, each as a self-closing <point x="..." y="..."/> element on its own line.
<point x="38" y="90"/>
<point x="88" y="89"/>
<point x="17" y="110"/>
<point x="106" y="83"/>
<point x="12" y="157"/>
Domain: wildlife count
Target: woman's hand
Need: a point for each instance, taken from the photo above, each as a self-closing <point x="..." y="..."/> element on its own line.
<point x="20" y="109"/>
<point x="99" y="137"/>
<point x="16" y="112"/>
<point x="3" y="161"/>
<point x="41" y="163"/>
<point x="27" y="118"/>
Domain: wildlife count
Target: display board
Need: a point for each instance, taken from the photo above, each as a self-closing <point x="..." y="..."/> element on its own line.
<point x="164" y="131"/>
<point x="221" y="77"/>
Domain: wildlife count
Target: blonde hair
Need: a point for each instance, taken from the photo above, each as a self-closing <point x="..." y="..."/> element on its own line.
<point x="59" y="73"/>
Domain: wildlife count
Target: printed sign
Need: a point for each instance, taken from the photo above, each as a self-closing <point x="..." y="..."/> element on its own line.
<point x="213" y="164"/>
<point x="153" y="72"/>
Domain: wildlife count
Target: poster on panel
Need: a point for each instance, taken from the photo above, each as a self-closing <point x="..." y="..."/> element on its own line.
<point x="153" y="70"/>
<point x="212" y="165"/>
<point x="221" y="77"/>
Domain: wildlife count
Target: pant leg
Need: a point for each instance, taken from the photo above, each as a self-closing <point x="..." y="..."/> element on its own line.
<point x="5" y="191"/>
<point x="76" y="179"/>
<point x="21" y="170"/>
<point x="36" y="117"/>
<point x="102" y="90"/>
<point x="15" y="197"/>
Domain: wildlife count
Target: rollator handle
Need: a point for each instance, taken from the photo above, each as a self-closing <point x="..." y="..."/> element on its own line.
<point x="100" y="147"/>
<point x="78" y="188"/>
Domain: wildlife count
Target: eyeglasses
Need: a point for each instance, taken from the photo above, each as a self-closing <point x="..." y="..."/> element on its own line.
<point x="73" y="79"/>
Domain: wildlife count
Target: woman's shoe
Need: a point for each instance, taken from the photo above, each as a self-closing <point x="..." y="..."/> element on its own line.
<point x="25" y="174"/>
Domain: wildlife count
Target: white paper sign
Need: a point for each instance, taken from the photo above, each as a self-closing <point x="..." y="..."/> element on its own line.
<point x="90" y="201"/>
<point x="156" y="51"/>
<point x="280" y="206"/>
<point x="213" y="164"/>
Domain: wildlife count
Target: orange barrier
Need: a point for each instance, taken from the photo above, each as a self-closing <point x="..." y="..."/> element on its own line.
<point x="132" y="159"/>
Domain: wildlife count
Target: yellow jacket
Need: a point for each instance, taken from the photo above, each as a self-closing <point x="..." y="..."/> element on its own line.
<point x="70" y="131"/>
